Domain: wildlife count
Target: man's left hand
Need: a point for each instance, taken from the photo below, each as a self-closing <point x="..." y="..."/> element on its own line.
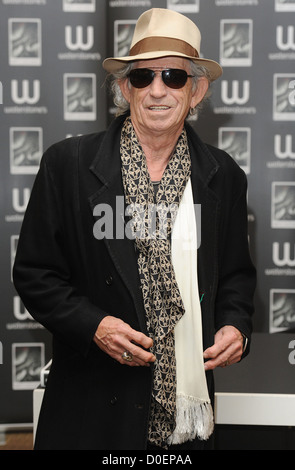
<point x="227" y="348"/>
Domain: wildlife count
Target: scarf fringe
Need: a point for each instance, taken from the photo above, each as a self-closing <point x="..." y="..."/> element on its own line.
<point x="194" y="418"/>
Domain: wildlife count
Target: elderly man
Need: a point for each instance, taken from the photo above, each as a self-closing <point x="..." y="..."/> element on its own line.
<point x="143" y="312"/>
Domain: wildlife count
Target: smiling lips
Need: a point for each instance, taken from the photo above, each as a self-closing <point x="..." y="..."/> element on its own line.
<point x="159" y="108"/>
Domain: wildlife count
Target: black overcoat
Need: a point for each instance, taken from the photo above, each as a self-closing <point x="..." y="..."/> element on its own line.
<point x="69" y="279"/>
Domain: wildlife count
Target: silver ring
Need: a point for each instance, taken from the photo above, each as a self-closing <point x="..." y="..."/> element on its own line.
<point x="127" y="356"/>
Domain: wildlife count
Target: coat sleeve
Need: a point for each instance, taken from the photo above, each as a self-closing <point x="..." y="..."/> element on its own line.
<point x="41" y="273"/>
<point x="237" y="275"/>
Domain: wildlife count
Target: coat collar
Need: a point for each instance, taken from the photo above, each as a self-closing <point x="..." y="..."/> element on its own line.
<point x="106" y="164"/>
<point x="204" y="165"/>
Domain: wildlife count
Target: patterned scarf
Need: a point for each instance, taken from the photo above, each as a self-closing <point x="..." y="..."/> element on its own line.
<point x="152" y="235"/>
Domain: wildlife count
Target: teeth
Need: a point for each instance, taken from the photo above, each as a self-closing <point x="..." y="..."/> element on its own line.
<point x="159" y="107"/>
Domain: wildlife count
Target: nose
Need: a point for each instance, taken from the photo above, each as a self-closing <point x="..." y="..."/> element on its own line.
<point x="158" y="87"/>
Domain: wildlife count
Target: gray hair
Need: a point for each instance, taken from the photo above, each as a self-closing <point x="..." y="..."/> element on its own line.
<point x="122" y="106"/>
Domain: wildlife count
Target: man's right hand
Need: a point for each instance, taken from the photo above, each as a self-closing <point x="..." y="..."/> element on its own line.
<point x="114" y="337"/>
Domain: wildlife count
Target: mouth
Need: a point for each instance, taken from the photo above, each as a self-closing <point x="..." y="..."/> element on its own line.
<point x="158" y="108"/>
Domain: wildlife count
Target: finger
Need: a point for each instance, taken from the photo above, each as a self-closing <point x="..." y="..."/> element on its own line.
<point x="135" y="361"/>
<point x="224" y="338"/>
<point x="140" y="355"/>
<point x="138" y="345"/>
<point x="114" y="337"/>
<point x="126" y="331"/>
<point x="226" y="358"/>
<point x="140" y="338"/>
<point x="121" y="343"/>
<point x="215" y="350"/>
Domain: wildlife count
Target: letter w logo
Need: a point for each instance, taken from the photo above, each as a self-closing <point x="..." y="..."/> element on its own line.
<point x="79" y="44"/>
<point x="290" y="43"/>
<point x="286" y="258"/>
<point x="235" y="98"/>
<point x="25" y="97"/>
<point x="288" y="152"/>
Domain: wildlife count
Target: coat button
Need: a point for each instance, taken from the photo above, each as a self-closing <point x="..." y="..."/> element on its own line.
<point x="109" y="281"/>
<point x="113" y="400"/>
<point x="139" y="406"/>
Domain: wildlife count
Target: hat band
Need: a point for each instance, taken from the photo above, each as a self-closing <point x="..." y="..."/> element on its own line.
<point x="156" y="43"/>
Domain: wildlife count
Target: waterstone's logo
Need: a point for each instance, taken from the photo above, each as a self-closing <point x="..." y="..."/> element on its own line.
<point x="150" y="222"/>
<point x="236" y="42"/>
<point x="288" y="43"/>
<point x="25" y="92"/>
<point x="284" y="256"/>
<point x="283" y="150"/>
<point x="236" y="141"/>
<point x="282" y="205"/>
<point x="79" y="97"/>
<point x="24" y="39"/>
<point x="78" y="43"/>
<point x="236" y="96"/>
<point x="123" y="32"/>
<point x="79" y="5"/>
<point x="284" y="97"/>
<point x="284" y="5"/>
<point x="26" y="148"/>
<point x="291" y="357"/>
<point x="282" y="310"/>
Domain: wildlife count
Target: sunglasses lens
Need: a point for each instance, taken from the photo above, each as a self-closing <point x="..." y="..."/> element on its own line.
<point x="174" y="78"/>
<point x="141" y="78"/>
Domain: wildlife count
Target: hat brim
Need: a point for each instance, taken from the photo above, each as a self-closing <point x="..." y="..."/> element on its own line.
<point x="114" y="64"/>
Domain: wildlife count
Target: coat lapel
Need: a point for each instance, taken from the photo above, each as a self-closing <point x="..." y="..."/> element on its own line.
<point x="204" y="167"/>
<point x="110" y="196"/>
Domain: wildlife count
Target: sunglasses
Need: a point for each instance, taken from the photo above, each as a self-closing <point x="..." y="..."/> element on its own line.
<point x="173" y="78"/>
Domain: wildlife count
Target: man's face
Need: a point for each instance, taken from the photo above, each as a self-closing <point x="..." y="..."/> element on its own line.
<point x="158" y="109"/>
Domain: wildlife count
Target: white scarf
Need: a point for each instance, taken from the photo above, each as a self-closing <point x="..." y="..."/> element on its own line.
<point x="194" y="411"/>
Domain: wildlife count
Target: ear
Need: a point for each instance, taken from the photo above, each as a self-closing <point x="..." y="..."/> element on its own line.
<point x="124" y="86"/>
<point x="200" y="91"/>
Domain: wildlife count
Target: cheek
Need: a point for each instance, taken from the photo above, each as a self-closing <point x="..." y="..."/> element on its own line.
<point x="185" y="102"/>
<point x="138" y="100"/>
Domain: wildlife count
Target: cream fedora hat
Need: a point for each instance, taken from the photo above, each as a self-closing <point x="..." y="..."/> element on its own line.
<point x="160" y="33"/>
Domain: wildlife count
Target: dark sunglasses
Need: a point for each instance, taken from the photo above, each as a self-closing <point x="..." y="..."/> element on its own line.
<point x="173" y="78"/>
